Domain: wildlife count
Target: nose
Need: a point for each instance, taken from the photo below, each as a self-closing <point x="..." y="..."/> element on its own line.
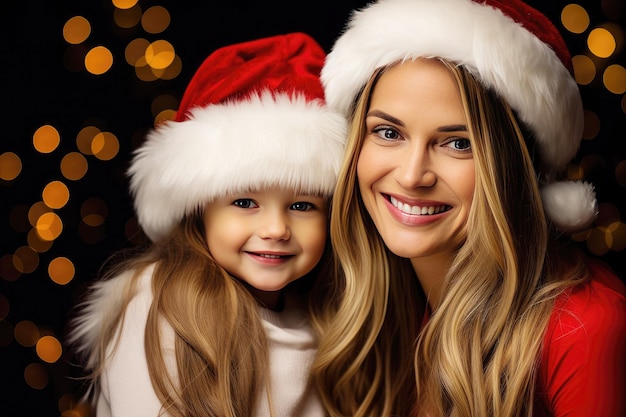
<point x="415" y="168"/>
<point x="274" y="226"/>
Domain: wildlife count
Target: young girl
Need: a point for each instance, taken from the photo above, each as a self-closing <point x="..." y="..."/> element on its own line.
<point x="461" y="294"/>
<point x="213" y="319"/>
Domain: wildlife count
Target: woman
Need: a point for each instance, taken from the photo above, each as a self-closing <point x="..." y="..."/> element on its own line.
<point x="461" y="294"/>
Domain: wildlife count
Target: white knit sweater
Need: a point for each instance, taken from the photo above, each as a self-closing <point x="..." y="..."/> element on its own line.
<point x="128" y="392"/>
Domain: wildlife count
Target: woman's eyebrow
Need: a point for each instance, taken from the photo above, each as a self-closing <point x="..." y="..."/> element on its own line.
<point x="385" y="116"/>
<point x="391" y="119"/>
<point x="452" y="128"/>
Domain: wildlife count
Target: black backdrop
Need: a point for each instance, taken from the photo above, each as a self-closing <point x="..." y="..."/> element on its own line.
<point x="39" y="89"/>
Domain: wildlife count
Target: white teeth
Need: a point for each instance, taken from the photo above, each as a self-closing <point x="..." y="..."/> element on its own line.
<point x="425" y="210"/>
<point x="264" y="255"/>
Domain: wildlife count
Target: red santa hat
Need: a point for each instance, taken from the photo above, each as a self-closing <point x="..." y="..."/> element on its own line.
<point x="253" y="116"/>
<point x="510" y="47"/>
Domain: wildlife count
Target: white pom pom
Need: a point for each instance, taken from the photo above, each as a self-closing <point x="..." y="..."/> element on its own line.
<point x="571" y="205"/>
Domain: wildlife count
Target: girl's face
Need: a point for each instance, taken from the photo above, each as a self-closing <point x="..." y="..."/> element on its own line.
<point x="416" y="169"/>
<point x="267" y="238"/>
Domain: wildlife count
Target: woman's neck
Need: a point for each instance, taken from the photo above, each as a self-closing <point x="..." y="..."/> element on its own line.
<point x="431" y="272"/>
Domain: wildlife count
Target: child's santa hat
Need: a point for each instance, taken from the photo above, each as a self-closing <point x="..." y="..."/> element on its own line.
<point x="509" y="46"/>
<point x="253" y="116"/>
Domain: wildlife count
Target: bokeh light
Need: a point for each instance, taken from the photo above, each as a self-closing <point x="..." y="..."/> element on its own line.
<point x="135" y="51"/>
<point x="614" y="79"/>
<point x="592" y="125"/>
<point x="601" y="43"/>
<point x="105" y="146"/>
<point x="36" y="243"/>
<point x="36" y="376"/>
<point x="8" y="272"/>
<point x="74" y="166"/>
<point x="49" y="226"/>
<point x="49" y="349"/>
<point x="164" y="116"/>
<point x="84" y="139"/>
<point x="25" y="259"/>
<point x="163" y="102"/>
<point x="584" y="69"/>
<point x="55" y="195"/>
<point x="61" y="270"/>
<point x="10" y="166"/>
<point x="98" y="60"/>
<point x="160" y="54"/>
<point x="155" y="20"/>
<point x="575" y="18"/>
<point x="76" y="30"/>
<point x="171" y="71"/>
<point x="46" y="139"/>
<point x="617" y="230"/>
<point x="36" y="210"/>
<point x="26" y="333"/>
<point x="124" y="4"/>
<point x="127" y="18"/>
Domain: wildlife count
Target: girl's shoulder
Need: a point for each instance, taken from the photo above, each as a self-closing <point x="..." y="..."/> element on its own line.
<point x="102" y="304"/>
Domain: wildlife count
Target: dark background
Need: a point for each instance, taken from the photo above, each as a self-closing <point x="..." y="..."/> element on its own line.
<point x="39" y="89"/>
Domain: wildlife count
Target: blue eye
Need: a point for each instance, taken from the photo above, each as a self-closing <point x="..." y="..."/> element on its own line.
<point x="245" y="203"/>
<point x="302" y="206"/>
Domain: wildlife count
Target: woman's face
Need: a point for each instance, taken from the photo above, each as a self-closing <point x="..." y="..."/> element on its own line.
<point x="416" y="169"/>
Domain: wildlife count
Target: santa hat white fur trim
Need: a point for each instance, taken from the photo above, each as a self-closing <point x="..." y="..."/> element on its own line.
<point x="265" y="140"/>
<point x="501" y="53"/>
<point x="506" y="57"/>
<point x="571" y="205"/>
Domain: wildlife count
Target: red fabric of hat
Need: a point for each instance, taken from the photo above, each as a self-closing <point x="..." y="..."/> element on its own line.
<point x="284" y="63"/>
<point x="536" y="23"/>
<point x="253" y="116"/>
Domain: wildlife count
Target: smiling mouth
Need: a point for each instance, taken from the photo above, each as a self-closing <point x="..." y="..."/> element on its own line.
<point x="264" y="255"/>
<point x="269" y="255"/>
<point x="418" y="210"/>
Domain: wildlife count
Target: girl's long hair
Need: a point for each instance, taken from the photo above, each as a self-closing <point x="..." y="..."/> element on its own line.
<point x="220" y="343"/>
<point x="478" y="353"/>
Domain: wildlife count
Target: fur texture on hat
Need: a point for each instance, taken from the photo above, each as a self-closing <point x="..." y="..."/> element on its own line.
<point x="252" y="117"/>
<point x="510" y="47"/>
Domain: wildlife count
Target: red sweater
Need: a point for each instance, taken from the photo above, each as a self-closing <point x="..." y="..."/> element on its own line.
<point x="583" y="363"/>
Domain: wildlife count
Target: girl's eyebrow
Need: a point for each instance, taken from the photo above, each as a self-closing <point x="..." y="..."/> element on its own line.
<point x="391" y="119"/>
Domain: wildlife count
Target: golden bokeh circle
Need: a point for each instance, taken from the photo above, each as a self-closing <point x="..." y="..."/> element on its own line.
<point x="98" y="60"/>
<point x="76" y="30"/>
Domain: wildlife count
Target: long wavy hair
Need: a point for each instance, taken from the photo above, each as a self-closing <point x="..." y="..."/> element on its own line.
<point x="477" y="354"/>
<point x="220" y="343"/>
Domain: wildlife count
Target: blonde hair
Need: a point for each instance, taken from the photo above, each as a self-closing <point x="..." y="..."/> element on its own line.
<point x="364" y="365"/>
<point x="220" y="343"/>
<point x="478" y="353"/>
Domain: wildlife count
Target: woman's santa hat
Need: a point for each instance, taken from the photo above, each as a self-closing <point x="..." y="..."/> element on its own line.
<point x="510" y="47"/>
<point x="253" y="116"/>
